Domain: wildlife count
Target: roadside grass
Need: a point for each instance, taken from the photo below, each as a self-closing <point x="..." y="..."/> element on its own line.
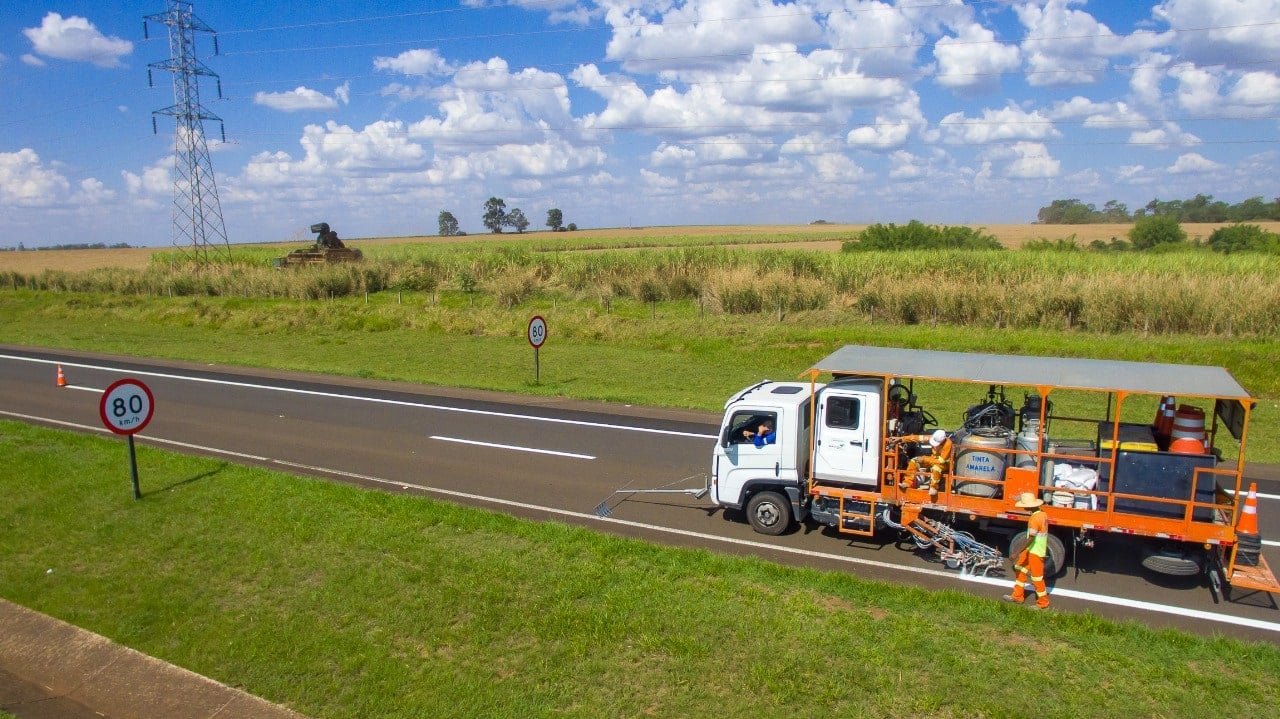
<point x="343" y="602"/>
<point x="671" y="353"/>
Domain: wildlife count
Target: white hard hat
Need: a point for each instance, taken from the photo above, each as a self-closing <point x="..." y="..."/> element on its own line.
<point x="938" y="438"/>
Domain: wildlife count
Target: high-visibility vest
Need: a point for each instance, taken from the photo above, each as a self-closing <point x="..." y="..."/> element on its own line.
<point x="1039" y="523"/>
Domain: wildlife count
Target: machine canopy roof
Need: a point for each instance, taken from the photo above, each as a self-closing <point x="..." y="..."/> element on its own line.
<point x="1087" y="374"/>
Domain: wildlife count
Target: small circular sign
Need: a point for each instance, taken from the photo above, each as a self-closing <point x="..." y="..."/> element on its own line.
<point x="126" y="406"/>
<point x="537" y="331"/>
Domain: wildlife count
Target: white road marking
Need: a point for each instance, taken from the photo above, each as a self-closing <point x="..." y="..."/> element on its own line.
<point x="512" y="446"/>
<point x="1056" y="591"/>
<point x="378" y="400"/>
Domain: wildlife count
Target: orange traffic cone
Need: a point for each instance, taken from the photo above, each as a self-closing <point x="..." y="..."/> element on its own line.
<point x="62" y="378"/>
<point x="1248" y="540"/>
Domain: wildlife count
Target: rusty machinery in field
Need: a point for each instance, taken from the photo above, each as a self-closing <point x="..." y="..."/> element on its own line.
<point x="326" y="249"/>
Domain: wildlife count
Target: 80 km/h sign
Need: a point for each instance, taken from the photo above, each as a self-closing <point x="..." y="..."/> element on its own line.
<point x="126" y="406"/>
<point x="537" y="331"/>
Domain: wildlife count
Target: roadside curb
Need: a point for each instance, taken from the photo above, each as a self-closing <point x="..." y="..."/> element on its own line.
<point x="62" y="662"/>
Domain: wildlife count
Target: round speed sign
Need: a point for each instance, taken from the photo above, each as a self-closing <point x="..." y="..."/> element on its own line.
<point x="537" y="331"/>
<point x="126" y="406"/>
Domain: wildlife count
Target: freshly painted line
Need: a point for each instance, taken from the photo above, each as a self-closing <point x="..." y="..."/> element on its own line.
<point x="401" y="403"/>
<point x="1260" y="495"/>
<point x="511" y="446"/>
<point x="1060" y="592"/>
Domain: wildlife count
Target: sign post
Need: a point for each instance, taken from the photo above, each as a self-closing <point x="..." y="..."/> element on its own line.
<point x="126" y="407"/>
<point x="537" y="335"/>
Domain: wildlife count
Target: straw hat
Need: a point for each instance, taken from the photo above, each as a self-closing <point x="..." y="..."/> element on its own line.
<point x="1028" y="500"/>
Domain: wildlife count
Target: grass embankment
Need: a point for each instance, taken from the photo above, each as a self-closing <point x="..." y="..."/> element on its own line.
<point x="674" y="354"/>
<point x="342" y="602"/>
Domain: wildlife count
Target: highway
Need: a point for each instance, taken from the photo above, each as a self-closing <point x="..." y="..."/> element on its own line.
<point x="550" y="459"/>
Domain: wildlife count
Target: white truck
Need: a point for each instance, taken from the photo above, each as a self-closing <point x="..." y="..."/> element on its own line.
<point x="839" y="454"/>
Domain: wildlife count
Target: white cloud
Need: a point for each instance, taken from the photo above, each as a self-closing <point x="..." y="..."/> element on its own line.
<point x="25" y="181"/>
<point x="300" y="98"/>
<point x="972" y="60"/>
<point x="1225" y="32"/>
<point x="882" y="135"/>
<point x="1192" y="163"/>
<point x="878" y="38"/>
<point x="1197" y="88"/>
<point x="1031" y="161"/>
<point x="414" y="62"/>
<point x="1163" y="138"/>
<point x="1068" y="46"/>
<point x="32" y="60"/>
<point x="75" y="38"/>
<point x="1256" y="88"/>
<point x="93" y="192"/>
<point x="1010" y="123"/>
<point x="702" y="35"/>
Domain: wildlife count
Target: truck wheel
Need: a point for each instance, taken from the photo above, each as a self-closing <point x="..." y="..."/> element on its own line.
<point x="769" y="513"/>
<point x="1055" y="558"/>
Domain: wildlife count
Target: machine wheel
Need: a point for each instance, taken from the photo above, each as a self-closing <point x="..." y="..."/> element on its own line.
<point x="1174" y="562"/>
<point x="769" y="513"/>
<point x="1055" y="559"/>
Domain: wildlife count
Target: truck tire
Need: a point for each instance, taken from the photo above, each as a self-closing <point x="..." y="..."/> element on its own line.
<point x="769" y="513"/>
<point x="1055" y="558"/>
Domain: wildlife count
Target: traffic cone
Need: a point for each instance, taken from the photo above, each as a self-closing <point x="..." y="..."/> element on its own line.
<point x="1248" y="539"/>
<point x="62" y="378"/>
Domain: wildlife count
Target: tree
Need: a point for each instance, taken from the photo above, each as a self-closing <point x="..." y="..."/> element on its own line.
<point x="448" y="224"/>
<point x="516" y="219"/>
<point x="573" y="227"/>
<point x="495" y="214"/>
<point x="555" y="219"/>
<point x="1154" y="230"/>
<point x="1243" y="238"/>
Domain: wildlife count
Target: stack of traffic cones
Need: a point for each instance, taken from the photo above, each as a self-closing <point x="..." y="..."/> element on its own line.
<point x="62" y="378"/>
<point x="1248" y="540"/>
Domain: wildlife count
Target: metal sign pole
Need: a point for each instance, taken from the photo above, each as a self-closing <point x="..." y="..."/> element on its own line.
<point x="535" y="365"/>
<point x="133" y="469"/>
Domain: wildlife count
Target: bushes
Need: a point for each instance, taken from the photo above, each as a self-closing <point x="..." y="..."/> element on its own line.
<point x="1244" y="238"/>
<point x="916" y="235"/>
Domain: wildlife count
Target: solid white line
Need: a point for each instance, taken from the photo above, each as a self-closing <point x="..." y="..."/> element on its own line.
<point x="511" y="446"/>
<point x="1060" y="592"/>
<point x="1260" y="495"/>
<point x="402" y="403"/>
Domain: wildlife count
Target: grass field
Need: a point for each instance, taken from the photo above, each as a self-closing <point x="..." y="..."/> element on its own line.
<point x="343" y="602"/>
<point x="826" y="237"/>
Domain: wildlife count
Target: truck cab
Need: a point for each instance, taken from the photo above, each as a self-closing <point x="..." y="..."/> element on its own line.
<point x="768" y="480"/>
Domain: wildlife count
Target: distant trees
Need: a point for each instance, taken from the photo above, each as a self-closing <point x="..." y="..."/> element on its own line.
<point x="1201" y="208"/>
<point x="515" y="218"/>
<point x="555" y="219"/>
<point x="495" y="214"/>
<point x="448" y="224"/>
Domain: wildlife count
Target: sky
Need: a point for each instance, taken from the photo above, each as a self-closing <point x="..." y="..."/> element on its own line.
<point x="375" y="117"/>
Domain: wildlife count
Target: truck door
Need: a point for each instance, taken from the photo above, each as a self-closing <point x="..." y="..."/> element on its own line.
<point x="848" y="437"/>
<point x="739" y="461"/>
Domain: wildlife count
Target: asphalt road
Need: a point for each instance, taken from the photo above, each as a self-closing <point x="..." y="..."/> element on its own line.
<point x="556" y="459"/>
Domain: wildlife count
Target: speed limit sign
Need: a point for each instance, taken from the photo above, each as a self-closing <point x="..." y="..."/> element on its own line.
<point x="537" y="331"/>
<point x="126" y="406"/>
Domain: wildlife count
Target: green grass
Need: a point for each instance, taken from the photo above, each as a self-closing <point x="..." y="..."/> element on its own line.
<point x="682" y="357"/>
<point x="342" y="602"/>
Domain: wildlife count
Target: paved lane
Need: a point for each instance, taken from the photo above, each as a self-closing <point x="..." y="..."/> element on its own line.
<point x="543" y="458"/>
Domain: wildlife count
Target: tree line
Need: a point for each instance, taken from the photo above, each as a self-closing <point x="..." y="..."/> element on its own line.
<point x="1201" y="208"/>
<point x="497" y="216"/>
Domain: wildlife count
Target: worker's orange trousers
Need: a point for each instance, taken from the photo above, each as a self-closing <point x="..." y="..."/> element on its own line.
<point x="1030" y="565"/>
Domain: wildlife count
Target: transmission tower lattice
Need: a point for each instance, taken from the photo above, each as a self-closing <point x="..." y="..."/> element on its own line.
<point x="197" y="214"/>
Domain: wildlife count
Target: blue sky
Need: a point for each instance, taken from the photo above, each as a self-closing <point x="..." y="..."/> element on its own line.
<point x="377" y="116"/>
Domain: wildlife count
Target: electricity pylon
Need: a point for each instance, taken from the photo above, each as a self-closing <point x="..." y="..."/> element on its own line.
<point x="197" y="215"/>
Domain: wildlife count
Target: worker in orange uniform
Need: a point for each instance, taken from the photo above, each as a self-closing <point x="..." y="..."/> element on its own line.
<point x="1031" y="561"/>
<point x="936" y="462"/>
